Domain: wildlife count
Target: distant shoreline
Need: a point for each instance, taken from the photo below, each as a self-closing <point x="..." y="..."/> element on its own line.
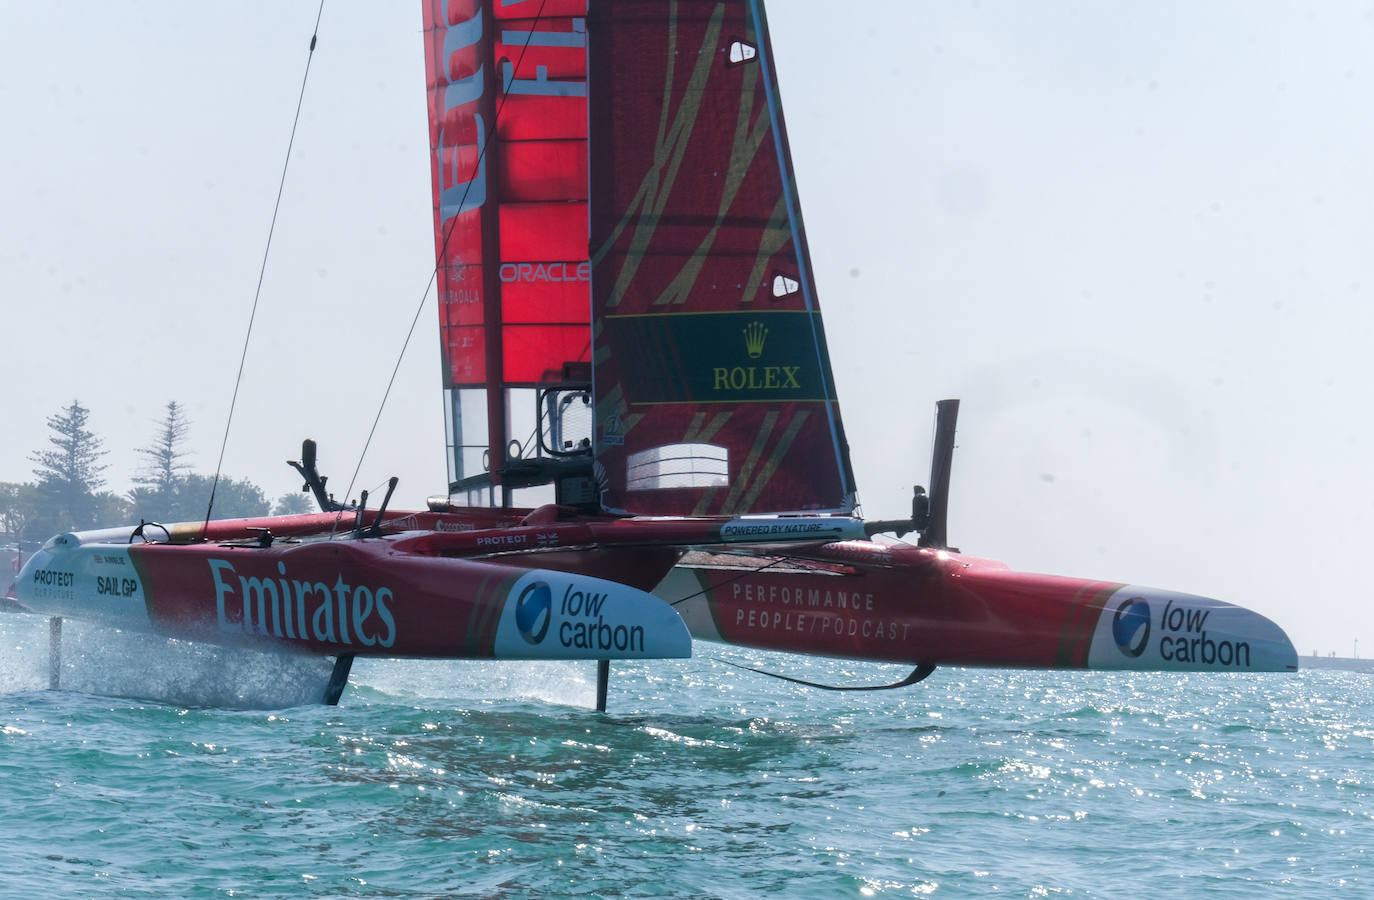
<point x="1343" y="663"/>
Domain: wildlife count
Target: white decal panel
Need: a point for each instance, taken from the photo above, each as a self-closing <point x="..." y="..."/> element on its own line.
<point x="554" y="615"/>
<point x="96" y="582"/>
<point x="1149" y="629"/>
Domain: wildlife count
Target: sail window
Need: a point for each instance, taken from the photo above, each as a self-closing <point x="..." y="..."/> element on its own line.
<point x="784" y="286"/>
<point x="678" y="466"/>
<point x="742" y="52"/>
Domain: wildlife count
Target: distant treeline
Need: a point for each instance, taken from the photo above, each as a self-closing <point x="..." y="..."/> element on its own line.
<point x="67" y="493"/>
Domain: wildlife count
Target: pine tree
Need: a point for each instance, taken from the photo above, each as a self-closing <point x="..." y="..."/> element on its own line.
<point x="164" y="457"/>
<point x="69" y="474"/>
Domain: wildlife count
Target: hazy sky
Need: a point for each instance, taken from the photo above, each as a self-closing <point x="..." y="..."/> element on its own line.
<point x="1134" y="238"/>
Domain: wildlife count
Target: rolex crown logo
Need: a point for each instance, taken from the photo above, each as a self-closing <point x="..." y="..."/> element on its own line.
<point x="755" y="333"/>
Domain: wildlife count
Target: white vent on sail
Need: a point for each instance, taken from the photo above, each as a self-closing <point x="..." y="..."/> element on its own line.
<point x="678" y="466"/>
<point x="784" y="286"/>
<point x="742" y="52"/>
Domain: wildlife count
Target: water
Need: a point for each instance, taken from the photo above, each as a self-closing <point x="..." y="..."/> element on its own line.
<point x="483" y="779"/>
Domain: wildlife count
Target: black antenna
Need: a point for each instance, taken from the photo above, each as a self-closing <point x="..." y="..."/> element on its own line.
<point x="362" y="512"/>
<point x="381" y="510"/>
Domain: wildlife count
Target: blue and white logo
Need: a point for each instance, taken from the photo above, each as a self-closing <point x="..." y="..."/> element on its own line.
<point x="534" y="611"/>
<point x="1131" y="627"/>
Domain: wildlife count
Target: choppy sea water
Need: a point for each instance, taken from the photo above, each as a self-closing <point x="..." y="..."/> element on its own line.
<point x="485" y="779"/>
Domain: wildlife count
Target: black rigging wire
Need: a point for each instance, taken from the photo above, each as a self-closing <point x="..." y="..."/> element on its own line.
<point x="262" y="270"/>
<point x="434" y="273"/>
<point x="920" y="673"/>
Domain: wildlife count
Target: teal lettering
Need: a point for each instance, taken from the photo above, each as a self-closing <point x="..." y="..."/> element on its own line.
<point x="222" y="591"/>
<point x="362" y="608"/>
<point x="383" y="595"/>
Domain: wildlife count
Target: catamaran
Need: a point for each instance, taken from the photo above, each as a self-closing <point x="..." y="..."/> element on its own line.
<point x="644" y="437"/>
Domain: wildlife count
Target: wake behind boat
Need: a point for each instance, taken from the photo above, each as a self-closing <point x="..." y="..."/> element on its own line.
<point x="644" y="431"/>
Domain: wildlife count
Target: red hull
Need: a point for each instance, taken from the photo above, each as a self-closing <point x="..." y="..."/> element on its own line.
<point x="461" y="588"/>
<point x="898" y="603"/>
<point x="398" y="595"/>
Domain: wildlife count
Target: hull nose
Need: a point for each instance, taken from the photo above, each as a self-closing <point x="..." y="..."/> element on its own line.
<point x="92" y="581"/>
<point x="1148" y="628"/>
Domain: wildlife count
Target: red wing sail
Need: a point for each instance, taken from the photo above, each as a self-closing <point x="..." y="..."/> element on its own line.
<point x="507" y="87"/>
<point x="712" y="380"/>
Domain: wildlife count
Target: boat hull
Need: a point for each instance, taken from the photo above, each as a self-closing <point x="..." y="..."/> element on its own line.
<point x="897" y="603"/>
<point x="349" y="596"/>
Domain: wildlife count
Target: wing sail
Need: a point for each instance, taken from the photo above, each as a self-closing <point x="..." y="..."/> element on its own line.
<point x="713" y="385"/>
<point x="616" y="175"/>
<point x="507" y="89"/>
